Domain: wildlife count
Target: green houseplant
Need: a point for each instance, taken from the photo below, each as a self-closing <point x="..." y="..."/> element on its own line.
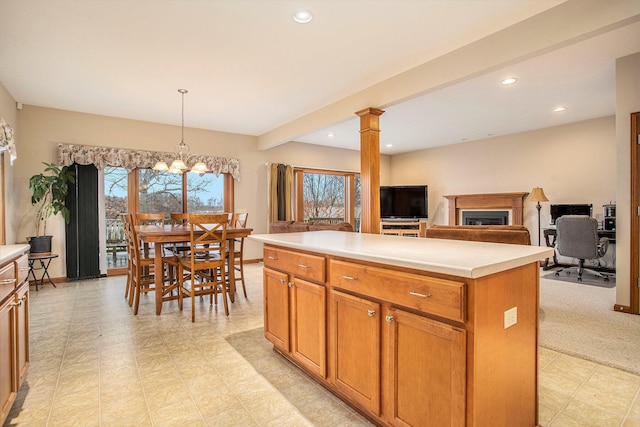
<point x="49" y="191"/>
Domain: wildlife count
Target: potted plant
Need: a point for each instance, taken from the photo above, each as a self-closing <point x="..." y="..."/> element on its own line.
<point x="49" y="190"/>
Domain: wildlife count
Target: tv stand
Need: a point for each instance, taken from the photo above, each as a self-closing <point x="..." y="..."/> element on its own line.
<point x="404" y="227"/>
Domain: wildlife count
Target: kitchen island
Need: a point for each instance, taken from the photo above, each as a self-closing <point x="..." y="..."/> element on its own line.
<point x="409" y="331"/>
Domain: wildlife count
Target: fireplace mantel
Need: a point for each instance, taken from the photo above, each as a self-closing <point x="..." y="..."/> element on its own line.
<point x="508" y="201"/>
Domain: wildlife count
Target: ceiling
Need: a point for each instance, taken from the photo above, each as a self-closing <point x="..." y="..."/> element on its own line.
<point x="250" y="68"/>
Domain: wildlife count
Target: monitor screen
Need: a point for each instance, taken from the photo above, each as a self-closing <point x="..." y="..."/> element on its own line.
<point x="570" y="209"/>
<point x="404" y="201"/>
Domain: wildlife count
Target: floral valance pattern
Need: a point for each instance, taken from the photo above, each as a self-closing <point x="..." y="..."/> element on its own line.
<point x="7" y="142"/>
<point x="130" y="159"/>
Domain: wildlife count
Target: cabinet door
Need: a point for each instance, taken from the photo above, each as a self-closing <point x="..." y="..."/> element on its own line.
<point x="276" y="308"/>
<point x="356" y="349"/>
<point x="429" y="389"/>
<point x="308" y="326"/>
<point x="8" y="382"/>
<point x="22" y="332"/>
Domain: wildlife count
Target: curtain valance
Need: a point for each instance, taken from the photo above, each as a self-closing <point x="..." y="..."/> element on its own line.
<point x="7" y="143"/>
<point x="130" y="159"/>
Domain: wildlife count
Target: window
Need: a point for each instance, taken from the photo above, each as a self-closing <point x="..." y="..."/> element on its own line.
<point x="205" y="193"/>
<point x="159" y="191"/>
<point x="115" y="204"/>
<point x="327" y="196"/>
<point x="167" y="192"/>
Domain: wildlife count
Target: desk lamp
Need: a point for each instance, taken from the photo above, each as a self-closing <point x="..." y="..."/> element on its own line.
<point x="537" y="195"/>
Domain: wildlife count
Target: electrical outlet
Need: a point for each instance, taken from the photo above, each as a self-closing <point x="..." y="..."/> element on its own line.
<point x="510" y="317"/>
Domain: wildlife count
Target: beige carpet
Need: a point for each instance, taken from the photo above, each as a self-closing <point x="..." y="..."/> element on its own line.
<point x="579" y="320"/>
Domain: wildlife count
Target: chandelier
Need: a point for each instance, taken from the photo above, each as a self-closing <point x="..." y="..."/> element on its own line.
<point x="182" y="153"/>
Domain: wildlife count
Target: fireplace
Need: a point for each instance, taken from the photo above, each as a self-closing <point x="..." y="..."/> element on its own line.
<point x="510" y="202"/>
<point x="476" y="217"/>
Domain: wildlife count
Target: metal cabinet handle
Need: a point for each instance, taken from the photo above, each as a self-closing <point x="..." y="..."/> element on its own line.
<point x="416" y="294"/>
<point x="389" y="319"/>
<point x="304" y="266"/>
<point x="349" y="278"/>
<point x="282" y="280"/>
<point x="7" y="281"/>
<point x="23" y="298"/>
<point x="24" y="269"/>
<point x="290" y="284"/>
<point x="16" y="304"/>
<point x="371" y="313"/>
<point x="275" y="258"/>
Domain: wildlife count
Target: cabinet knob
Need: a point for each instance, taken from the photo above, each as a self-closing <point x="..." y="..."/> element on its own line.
<point x="16" y="304"/>
<point x="389" y="319"/>
<point x="371" y="313"/>
<point x="282" y="281"/>
<point x="290" y="284"/>
<point x="416" y="294"/>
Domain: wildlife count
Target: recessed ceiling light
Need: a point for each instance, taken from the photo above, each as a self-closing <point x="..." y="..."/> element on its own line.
<point x="331" y="135"/>
<point x="509" y="81"/>
<point x="389" y="145"/>
<point x="559" y="109"/>
<point x="302" y="16"/>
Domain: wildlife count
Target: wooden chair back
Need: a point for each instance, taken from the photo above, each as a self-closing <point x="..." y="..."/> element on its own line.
<point x="208" y="240"/>
<point x="239" y="220"/>
<point x="149" y="219"/>
<point x="179" y="218"/>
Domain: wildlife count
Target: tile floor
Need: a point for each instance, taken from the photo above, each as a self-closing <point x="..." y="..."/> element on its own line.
<point x="95" y="364"/>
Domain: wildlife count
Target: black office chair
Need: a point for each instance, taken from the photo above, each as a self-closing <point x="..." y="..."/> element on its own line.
<point x="577" y="237"/>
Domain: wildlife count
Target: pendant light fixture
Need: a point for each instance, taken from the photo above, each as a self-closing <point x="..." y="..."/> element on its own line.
<point x="179" y="165"/>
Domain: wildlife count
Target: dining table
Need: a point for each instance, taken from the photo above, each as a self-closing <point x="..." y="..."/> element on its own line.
<point x="160" y="235"/>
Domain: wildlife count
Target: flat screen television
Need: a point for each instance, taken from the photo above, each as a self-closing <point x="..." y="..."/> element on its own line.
<point x="404" y="202"/>
<point x="557" y="211"/>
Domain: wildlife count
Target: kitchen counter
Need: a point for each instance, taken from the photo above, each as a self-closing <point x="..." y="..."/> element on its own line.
<point x="9" y="252"/>
<point x="452" y="257"/>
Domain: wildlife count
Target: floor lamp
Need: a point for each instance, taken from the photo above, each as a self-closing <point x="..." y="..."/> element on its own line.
<point x="537" y="195"/>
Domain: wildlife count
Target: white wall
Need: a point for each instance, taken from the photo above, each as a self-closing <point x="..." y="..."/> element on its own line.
<point x="41" y="129"/>
<point x="573" y="163"/>
<point x="8" y="112"/>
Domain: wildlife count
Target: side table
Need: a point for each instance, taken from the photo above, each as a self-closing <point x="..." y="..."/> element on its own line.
<point x="44" y="259"/>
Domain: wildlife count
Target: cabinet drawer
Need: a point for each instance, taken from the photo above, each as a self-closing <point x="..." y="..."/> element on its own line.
<point x="7" y="280"/>
<point x="440" y="297"/>
<point x="302" y="265"/>
<point x="22" y="268"/>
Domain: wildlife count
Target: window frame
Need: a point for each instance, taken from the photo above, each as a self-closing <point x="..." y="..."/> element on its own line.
<point x="349" y="190"/>
<point x="134" y="192"/>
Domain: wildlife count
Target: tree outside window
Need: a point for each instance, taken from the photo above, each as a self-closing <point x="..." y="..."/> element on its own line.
<point x="327" y="196"/>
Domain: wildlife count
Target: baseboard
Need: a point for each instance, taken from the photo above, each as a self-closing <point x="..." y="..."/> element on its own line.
<point x="622" y="308"/>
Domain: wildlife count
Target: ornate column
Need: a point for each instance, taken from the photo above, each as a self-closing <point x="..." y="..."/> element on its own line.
<point x="370" y="170"/>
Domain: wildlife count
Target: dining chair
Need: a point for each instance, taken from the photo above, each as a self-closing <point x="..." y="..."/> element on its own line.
<point x="141" y="264"/>
<point x="179" y="218"/>
<point x="203" y="269"/>
<point x="149" y="218"/>
<point x="236" y="250"/>
<point x="126" y="224"/>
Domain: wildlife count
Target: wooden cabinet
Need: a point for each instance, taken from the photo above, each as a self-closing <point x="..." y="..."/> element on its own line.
<point x="295" y="308"/>
<point x="407" y="347"/>
<point x="408" y="228"/>
<point x="14" y="330"/>
<point x="355" y="354"/>
<point x="276" y="308"/>
<point x="431" y="386"/>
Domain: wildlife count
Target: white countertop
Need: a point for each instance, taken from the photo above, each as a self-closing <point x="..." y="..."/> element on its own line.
<point x="453" y="257"/>
<point x="8" y="252"/>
